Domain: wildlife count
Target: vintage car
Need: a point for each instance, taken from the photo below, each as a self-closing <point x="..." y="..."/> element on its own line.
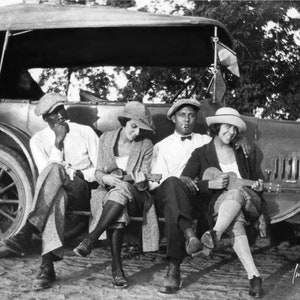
<point x="50" y="36"/>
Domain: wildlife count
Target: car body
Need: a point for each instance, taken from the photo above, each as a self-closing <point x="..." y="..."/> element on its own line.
<point x="51" y="36"/>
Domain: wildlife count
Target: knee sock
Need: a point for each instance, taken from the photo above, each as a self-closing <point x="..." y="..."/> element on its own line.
<point x="115" y="237"/>
<point x="228" y="210"/>
<point x="242" y="249"/>
<point x="110" y="213"/>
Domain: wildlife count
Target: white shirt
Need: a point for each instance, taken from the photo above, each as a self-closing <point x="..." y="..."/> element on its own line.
<point x="233" y="167"/>
<point x="171" y="155"/>
<point x="80" y="149"/>
<point x="121" y="162"/>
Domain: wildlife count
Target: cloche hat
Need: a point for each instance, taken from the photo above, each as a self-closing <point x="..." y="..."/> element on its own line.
<point x="138" y="112"/>
<point x="227" y="115"/>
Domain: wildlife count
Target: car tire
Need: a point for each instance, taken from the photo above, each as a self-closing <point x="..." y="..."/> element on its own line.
<point x="15" y="192"/>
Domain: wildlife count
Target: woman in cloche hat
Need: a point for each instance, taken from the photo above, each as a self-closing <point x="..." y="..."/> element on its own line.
<point x="230" y="209"/>
<point x="123" y="151"/>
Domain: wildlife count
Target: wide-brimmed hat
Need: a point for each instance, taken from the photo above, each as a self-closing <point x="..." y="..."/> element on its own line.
<point x="182" y="102"/>
<point x="138" y="112"/>
<point x="227" y="115"/>
<point x="48" y="103"/>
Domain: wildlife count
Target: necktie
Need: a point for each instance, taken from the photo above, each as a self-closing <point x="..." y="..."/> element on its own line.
<point x="188" y="137"/>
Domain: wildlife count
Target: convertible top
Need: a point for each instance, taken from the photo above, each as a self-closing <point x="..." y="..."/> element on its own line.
<point x="73" y="36"/>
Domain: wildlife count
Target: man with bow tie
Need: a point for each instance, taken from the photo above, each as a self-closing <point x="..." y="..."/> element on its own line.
<point x="169" y="159"/>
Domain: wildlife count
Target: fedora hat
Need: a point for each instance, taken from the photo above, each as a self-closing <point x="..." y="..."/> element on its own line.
<point x="48" y="103"/>
<point x="138" y="112"/>
<point x="182" y="102"/>
<point x="227" y="115"/>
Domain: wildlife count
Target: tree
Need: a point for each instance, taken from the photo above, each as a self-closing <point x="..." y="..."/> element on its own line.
<point x="264" y="38"/>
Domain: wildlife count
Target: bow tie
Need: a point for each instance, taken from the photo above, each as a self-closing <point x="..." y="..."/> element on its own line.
<point x="188" y="137"/>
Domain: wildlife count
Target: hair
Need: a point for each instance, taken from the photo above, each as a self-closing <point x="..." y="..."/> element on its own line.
<point x="123" y="121"/>
<point x="214" y="129"/>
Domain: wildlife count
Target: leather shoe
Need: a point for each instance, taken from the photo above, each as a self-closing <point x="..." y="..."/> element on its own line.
<point x="14" y="245"/>
<point x="192" y="243"/>
<point x="209" y="242"/>
<point x="172" y="280"/>
<point x="119" y="279"/>
<point x="45" y="277"/>
<point x="84" y="249"/>
<point x="255" y="288"/>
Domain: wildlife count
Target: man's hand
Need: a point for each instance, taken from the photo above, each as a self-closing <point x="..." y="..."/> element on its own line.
<point x="60" y="130"/>
<point x="190" y="184"/>
<point x="219" y="182"/>
<point x="242" y="142"/>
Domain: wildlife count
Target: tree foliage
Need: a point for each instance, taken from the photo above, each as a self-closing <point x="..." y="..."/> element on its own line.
<point x="268" y="53"/>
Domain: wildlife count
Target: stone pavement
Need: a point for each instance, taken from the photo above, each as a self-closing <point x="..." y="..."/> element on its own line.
<point x="220" y="277"/>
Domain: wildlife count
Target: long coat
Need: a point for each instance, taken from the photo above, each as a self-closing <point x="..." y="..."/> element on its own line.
<point x="139" y="160"/>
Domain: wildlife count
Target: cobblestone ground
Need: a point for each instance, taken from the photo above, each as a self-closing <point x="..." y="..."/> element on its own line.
<point x="220" y="277"/>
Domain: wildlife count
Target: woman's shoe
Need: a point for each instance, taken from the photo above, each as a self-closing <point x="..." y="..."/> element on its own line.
<point x="84" y="249"/>
<point x="255" y="288"/>
<point x="209" y="242"/>
<point x="119" y="280"/>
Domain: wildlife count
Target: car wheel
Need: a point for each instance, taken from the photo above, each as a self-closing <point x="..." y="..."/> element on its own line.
<point x="15" y="191"/>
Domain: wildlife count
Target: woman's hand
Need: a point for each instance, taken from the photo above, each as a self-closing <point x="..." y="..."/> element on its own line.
<point x="111" y="180"/>
<point x="262" y="226"/>
<point x="140" y="180"/>
<point x="257" y="186"/>
<point x="190" y="184"/>
<point x="219" y="182"/>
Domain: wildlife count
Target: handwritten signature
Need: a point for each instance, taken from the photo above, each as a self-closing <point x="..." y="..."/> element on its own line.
<point x="296" y="273"/>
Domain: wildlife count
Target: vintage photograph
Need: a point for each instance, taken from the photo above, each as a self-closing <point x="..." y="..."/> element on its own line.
<point x="149" y="149"/>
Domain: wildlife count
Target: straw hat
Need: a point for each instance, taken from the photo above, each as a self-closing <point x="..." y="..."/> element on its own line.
<point x="48" y="103"/>
<point x="138" y="112"/>
<point x="227" y="115"/>
<point x="182" y="102"/>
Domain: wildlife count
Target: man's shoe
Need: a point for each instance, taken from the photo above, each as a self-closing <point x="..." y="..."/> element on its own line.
<point x="45" y="277"/>
<point x="84" y="249"/>
<point x="192" y="243"/>
<point x="14" y="245"/>
<point x="172" y="280"/>
<point x="255" y="288"/>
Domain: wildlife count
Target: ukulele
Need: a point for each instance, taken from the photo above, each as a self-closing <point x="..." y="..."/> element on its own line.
<point x="235" y="182"/>
<point x="127" y="177"/>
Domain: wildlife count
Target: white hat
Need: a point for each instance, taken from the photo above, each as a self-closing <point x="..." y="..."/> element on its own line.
<point x="227" y="115"/>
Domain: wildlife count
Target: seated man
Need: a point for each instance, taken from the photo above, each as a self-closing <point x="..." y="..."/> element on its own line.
<point x="66" y="156"/>
<point x="170" y="157"/>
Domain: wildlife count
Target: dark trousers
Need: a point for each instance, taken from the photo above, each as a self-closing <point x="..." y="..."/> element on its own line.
<point x="174" y="201"/>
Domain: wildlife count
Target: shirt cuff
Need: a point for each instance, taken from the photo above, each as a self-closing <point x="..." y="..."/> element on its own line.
<point x="56" y="155"/>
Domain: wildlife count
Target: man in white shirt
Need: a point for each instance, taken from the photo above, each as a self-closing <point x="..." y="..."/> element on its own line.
<point x="65" y="154"/>
<point x="170" y="157"/>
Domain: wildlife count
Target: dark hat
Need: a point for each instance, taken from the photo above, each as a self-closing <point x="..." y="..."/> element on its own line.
<point x="182" y="102"/>
<point x="227" y="115"/>
<point x="138" y="112"/>
<point x="49" y="102"/>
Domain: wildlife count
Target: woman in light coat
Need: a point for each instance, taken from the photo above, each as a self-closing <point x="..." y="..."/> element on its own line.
<point x="125" y="151"/>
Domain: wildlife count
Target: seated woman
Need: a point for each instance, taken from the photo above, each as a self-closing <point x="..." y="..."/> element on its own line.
<point x="230" y="208"/>
<point x="128" y="150"/>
